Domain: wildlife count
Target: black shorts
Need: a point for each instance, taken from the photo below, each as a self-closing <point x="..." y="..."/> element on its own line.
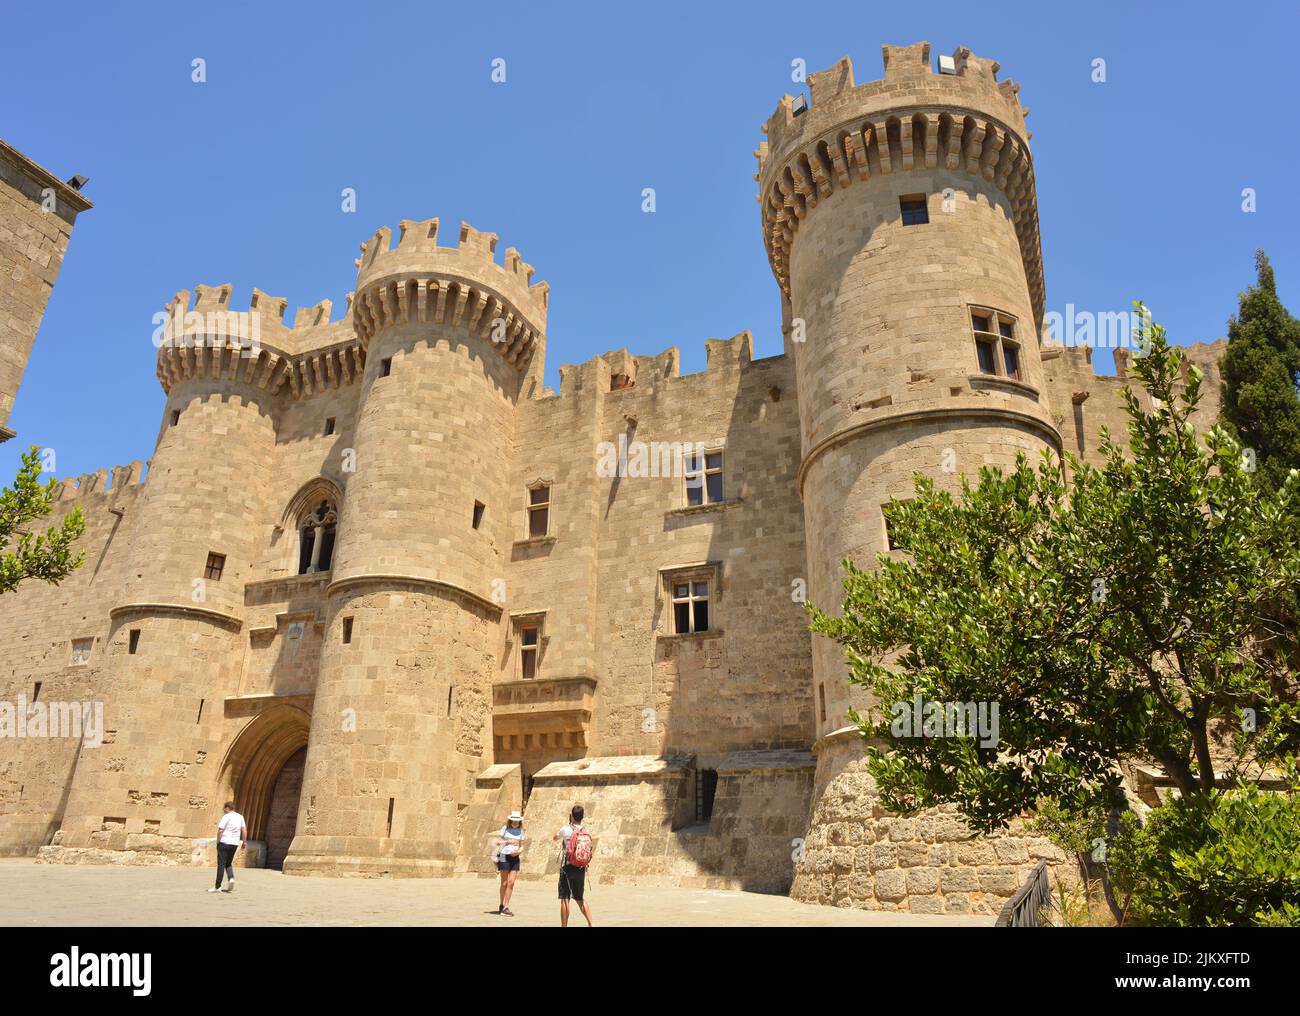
<point x="572" y="882"/>
<point x="508" y="862"/>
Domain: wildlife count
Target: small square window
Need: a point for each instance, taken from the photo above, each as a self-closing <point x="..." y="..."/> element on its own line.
<point x="981" y="322"/>
<point x="539" y="512"/>
<point x="329" y="425"/>
<point x="479" y="508"/>
<point x="385" y="366"/>
<point x="215" y="566"/>
<point x="915" y="212"/>
<point x="347" y="631"/>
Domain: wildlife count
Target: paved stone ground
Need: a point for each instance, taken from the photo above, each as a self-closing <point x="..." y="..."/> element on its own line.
<point x="95" y="895"/>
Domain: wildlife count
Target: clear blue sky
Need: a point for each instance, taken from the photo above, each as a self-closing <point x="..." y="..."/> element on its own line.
<point x="238" y="179"/>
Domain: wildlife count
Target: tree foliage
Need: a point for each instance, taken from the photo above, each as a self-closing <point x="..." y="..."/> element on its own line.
<point x="1110" y="613"/>
<point x="25" y="554"/>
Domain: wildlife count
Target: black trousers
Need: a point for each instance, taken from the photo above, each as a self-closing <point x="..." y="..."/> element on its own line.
<point x="225" y="857"/>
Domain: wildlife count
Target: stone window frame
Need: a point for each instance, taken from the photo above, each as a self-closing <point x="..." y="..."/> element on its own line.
<point x="540" y="483"/>
<point x="304" y="503"/>
<point x="312" y="518"/>
<point x="521" y="622"/>
<point x="705" y="450"/>
<point x="214" y="566"/>
<point x="998" y="341"/>
<point x="706" y="571"/>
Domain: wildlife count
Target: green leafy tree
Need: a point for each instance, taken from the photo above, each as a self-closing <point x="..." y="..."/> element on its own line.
<point x="1110" y="617"/>
<point x="27" y="555"/>
<point x="1261" y="369"/>
<point x="1210" y="860"/>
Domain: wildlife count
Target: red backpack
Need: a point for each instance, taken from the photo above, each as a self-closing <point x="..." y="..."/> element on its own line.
<point x="579" y="853"/>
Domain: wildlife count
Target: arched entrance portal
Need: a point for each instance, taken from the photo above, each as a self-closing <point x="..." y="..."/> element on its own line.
<point x="282" y="815"/>
<point x="263" y="773"/>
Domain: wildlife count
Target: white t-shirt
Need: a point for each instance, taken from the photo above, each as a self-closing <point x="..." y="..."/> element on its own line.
<point x="514" y="840"/>
<point x="230" y="827"/>
<point x="565" y="835"/>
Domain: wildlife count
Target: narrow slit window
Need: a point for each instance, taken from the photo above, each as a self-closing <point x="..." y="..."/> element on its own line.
<point x="133" y="641"/>
<point x="329" y="426"/>
<point x="176" y="417"/>
<point x="706" y="789"/>
<point x="478" y="514"/>
<point x="385" y="366"/>
<point x="347" y="631"/>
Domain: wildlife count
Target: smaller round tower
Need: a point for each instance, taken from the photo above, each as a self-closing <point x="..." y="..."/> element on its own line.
<point x="177" y="629"/>
<point x="414" y="626"/>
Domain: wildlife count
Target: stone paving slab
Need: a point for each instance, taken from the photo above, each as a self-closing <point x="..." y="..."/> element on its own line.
<point x="104" y="895"/>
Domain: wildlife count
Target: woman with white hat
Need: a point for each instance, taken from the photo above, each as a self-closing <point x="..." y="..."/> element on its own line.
<point x="507" y="850"/>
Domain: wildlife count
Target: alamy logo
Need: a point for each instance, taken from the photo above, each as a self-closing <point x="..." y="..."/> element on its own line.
<point x="74" y="969"/>
<point x="919" y="718"/>
<point x="1099" y="329"/>
<point x="77" y="720"/>
<point x="640" y="459"/>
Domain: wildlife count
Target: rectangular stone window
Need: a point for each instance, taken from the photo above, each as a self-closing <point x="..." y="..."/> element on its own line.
<point x="347" y="630"/>
<point x="133" y="641"/>
<point x="691" y="603"/>
<point x="479" y="508"/>
<point x="329" y="426"/>
<point x="215" y="566"/>
<point x="81" y="651"/>
<point x="36" y="690"/>
<point x="914" y="210"/>
<point x="703" y="472"/>
<point x="997" y="350"/>
<point x="176" y="417"/>
<point x="529" y="643"/>
<point x="385" y="366"/>
<point x="821" y="697"/>
<point x="539" y="511"/>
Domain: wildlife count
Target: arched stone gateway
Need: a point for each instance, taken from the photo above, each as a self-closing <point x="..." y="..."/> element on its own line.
<point x="262" y="773"/>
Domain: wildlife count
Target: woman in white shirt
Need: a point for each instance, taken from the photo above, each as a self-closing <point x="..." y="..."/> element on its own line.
<point x="506" y="851"/>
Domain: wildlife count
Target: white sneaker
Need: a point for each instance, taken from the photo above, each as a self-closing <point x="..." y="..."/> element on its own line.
<point x="214" y="890"/>
<point x="230" y="888"/>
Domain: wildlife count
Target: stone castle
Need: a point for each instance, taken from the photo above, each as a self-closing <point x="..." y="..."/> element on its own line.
<point x="380" y="587"/>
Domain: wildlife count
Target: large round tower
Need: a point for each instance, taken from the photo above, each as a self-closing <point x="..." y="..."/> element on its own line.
<point x="900" y="222"/>
<point x="413" y="623"/>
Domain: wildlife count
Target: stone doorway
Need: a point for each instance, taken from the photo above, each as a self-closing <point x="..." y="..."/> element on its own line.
<point x="282" y="813"/>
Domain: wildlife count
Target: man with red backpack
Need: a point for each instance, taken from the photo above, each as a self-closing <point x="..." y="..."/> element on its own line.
<point x="576" y="849"/>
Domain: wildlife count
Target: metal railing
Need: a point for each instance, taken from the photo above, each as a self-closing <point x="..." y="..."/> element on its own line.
<point x="1023" y="908"/>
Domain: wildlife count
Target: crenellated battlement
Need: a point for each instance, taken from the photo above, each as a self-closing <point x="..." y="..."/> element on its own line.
<point x="912" y="119"/>
<point x="213" y="340"/>
<point x="111" y="482"/>
<point x="619" y="370"/>
<point x="419" y="280"/>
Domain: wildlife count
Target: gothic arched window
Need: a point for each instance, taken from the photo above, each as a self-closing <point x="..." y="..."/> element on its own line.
<point x="316" y="538"/>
